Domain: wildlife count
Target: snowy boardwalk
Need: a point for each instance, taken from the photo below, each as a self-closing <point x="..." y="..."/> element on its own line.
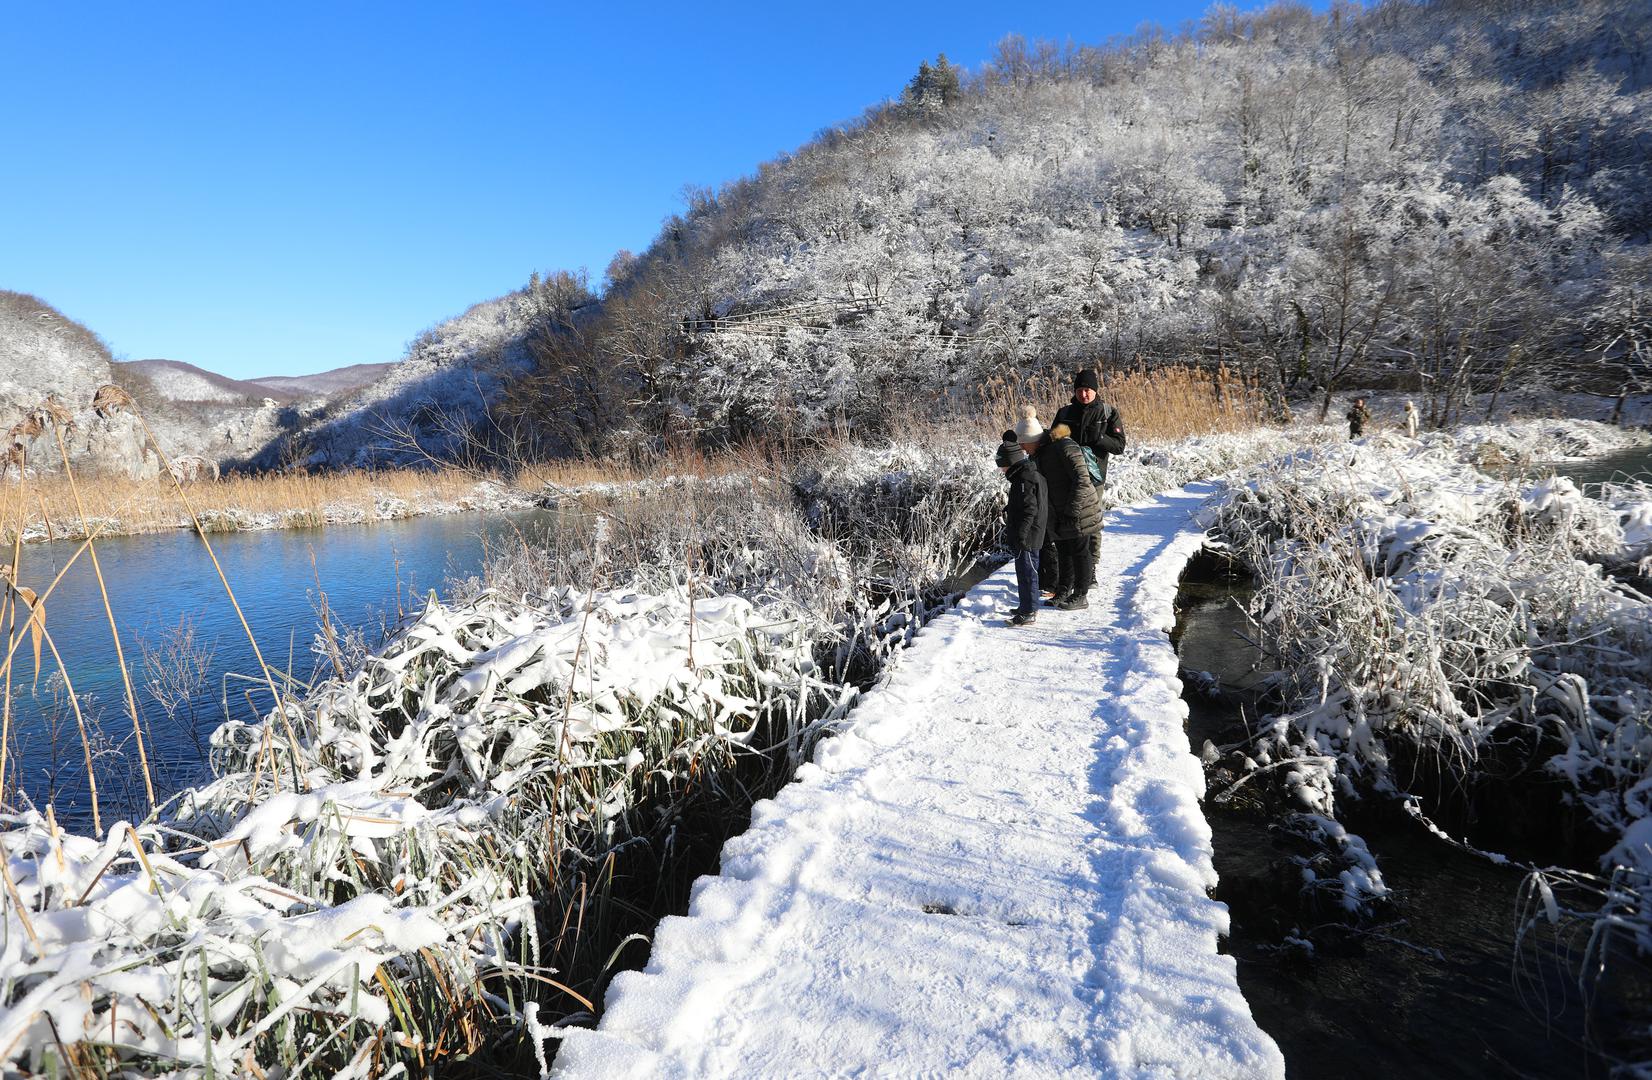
<point x="998" y="870"/>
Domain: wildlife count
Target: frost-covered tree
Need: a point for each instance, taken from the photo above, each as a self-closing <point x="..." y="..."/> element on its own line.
<point x="1421" y="194"/>
<point x="934" y="87"/>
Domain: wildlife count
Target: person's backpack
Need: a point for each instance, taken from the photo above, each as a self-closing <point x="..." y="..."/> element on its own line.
<point x="1091" y="463"/>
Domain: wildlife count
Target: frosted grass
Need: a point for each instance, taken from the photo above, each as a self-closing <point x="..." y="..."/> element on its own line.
<point x="398" y="868"/>
<point x="1421" y="609"/>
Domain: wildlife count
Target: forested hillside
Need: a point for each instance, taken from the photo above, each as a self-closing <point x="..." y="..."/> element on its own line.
<point x="1445" y="196"/>
<point x="434" y="404"/>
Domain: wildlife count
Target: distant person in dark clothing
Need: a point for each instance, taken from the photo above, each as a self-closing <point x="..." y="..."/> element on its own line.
<point x="1075" y="515"/>
<point x="1098" y="428"/>
<point x="1358" y="417"/>
<point x="1024" y="518"/>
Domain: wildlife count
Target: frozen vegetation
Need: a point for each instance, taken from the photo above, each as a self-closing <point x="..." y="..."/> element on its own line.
<point x="417" y="858"/>
<point x="1435" y="625"/>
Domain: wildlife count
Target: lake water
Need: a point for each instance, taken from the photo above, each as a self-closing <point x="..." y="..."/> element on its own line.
<point x="160" y="581"/>
<point x="1631" y="464"/>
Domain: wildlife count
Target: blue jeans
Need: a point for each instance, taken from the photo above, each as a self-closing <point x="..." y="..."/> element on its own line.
<point x="1026" y="581"/>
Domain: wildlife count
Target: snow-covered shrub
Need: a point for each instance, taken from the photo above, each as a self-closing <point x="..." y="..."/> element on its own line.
<point x="1500" y="446"/>
<point x="375" y="859"/>
<point x="1425" y="612"/>
<point x="1632" y="502"/>
<point x="1339" y="874"/>
<point x="1150" y="467"/>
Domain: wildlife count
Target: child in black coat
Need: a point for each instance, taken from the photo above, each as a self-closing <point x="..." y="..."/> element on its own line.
<point x="1025" y="519"/>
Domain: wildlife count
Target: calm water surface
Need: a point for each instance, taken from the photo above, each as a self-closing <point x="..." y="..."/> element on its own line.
<point x="159" y="582"/>
<point x="1632" y="464"/>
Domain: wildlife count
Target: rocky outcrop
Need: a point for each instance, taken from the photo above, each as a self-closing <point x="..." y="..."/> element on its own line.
<point x="49" y="362"/>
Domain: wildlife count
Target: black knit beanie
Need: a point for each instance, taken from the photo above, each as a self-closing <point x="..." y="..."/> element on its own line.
<point x="1086" y="380"/>
<point x="1009" y="451"/>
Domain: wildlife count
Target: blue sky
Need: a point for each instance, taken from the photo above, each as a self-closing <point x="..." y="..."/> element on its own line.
<point x="282" y="189"/>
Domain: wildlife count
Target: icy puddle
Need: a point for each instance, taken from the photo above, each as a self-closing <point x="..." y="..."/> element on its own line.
<point x="999" y="868"/>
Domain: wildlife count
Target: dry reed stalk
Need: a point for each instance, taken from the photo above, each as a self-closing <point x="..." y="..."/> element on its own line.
<point x="143" y="507"/>
<point x="85" y="737"/>
<point x="9" y="615"/>
<point x="114" y="629"/>
<point x="1158" y="403"/>
<point x="17" y="901"/>
<point x="122" y="506"/>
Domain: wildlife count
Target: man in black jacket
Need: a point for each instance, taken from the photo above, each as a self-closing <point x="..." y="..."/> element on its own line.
<point x="1098" y="428"/>
<point x="1025" y="519"/>
<point x="1358" y="417"/>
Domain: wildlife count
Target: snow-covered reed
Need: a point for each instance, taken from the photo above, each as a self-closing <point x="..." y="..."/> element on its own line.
<point x="425" y="857"/>
<point x="366" y="880"/>
<point x="1427" y="614"/>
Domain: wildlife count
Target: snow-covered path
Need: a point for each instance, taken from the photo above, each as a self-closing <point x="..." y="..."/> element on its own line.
<point x="998" y="870"/>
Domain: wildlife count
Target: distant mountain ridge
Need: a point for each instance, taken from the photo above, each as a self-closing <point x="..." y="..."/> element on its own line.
<point x="360" y="415"/>
<point x="324" y="383"/>
<point x="181" y="381"/>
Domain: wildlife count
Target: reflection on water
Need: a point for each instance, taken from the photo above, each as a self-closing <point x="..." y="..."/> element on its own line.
<point x="159" y="581"/>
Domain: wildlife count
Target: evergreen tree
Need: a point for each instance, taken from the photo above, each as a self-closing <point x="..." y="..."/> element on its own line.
<point x="933" y="87"/>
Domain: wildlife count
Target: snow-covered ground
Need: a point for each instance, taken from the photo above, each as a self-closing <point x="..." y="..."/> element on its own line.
<point x="999" y="869"/>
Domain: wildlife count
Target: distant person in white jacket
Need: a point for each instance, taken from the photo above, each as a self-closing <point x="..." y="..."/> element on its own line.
<point x="1411" y="419"/>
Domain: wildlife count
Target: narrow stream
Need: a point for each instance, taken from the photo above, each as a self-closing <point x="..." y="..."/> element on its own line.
<point x="1434" y="990"/>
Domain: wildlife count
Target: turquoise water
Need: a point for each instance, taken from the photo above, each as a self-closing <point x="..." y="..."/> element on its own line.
<point x="157" y="583"/>
<point x="1634" y="464"/>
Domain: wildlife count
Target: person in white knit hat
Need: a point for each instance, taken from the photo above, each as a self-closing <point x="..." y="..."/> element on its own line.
<point x="1028" y="430"/>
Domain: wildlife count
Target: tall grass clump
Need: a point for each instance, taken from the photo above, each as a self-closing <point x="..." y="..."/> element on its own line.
<point x="1437" y="628"/>
<point x="1159" y="403"/>
<point x="119" y="505"/>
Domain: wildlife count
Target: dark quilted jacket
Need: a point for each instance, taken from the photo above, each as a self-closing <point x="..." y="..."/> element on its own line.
<point x="1028" y="511"/>
<point x="1098" y="426"/>
<point x="1075" y="509"/>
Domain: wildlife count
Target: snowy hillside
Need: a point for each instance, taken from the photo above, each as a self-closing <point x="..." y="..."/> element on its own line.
<point x="43" y="352"/>
<point x="424" y="403"/>
<point x="1442" y="197"/>
<point x="178" y="381"/>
